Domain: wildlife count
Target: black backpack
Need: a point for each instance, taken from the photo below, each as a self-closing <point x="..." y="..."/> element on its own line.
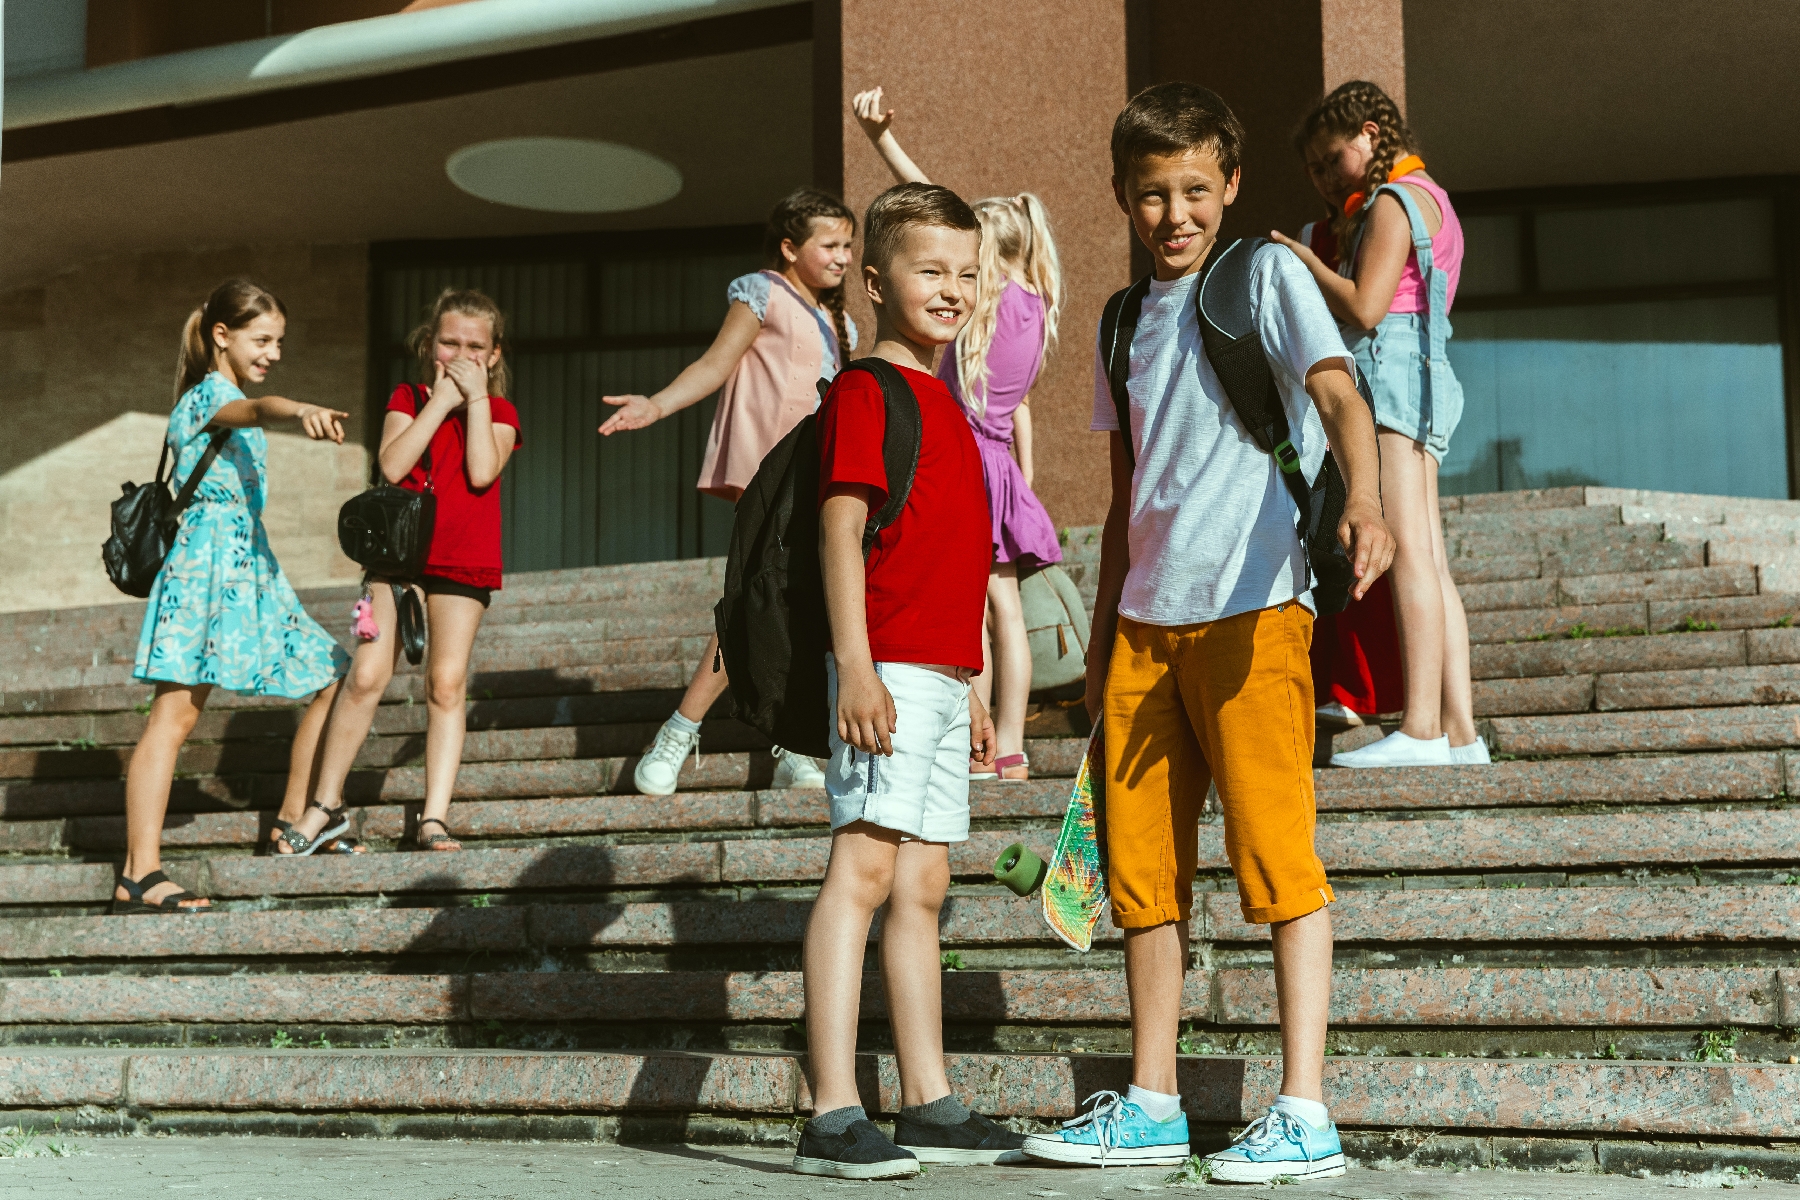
<point x="773" y="627"/>
<point x="1234" y="349"/>
<point x="143" y="523"/>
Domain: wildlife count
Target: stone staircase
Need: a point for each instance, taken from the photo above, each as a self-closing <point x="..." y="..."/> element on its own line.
<point x="1585" y="956"/>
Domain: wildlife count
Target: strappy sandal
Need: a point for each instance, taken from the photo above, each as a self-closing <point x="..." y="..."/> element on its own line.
<point x="1006" y="762"/>
<point x="336" y="845"/>
<point x="170" y="904"/>
<point x="431" y="841"/>
<point x="301" y="846"/>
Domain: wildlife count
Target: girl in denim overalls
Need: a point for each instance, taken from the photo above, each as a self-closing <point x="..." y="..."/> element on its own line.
<point x="1400" y="254"/>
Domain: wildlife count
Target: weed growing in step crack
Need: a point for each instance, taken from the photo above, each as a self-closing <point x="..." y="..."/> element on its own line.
<point x="1195" y="1172"/>
<point x="1786" y="622"/>
<point x="281" y="1039"/>
<point x="1716" y="1045"/>
<point x="485" y="900"/>
<point x="21" y="1143"/>
<point x="951" y="961"/>
<point x="1691" y="624"/>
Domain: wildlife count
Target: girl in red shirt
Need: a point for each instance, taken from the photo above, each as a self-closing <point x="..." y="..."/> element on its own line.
<point x="451" y="435"/>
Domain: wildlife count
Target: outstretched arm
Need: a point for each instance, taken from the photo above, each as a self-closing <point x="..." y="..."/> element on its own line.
<point x="1351" y="431"/>
<point x="698" y="380"/>
<point x="1386" y="242"/>
<point x="875" y="123"/>
<point x="319" y="424"/>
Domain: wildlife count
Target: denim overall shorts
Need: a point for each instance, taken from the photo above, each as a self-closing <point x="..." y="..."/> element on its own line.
<point x="1403" y="357"/>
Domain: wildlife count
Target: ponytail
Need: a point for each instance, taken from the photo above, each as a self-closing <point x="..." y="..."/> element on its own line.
<point x="1013" y="229"/>
<point x="233" y="304"/>
<point x="792" y="221"/>
<point x="1343" y="114"/>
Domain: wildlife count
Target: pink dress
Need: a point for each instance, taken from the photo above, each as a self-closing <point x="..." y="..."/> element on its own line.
<point x="1023" y="532"/>
<point x="772" y="386"/>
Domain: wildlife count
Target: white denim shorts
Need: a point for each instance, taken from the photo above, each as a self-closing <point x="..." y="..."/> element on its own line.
<point x="923" y="789"/>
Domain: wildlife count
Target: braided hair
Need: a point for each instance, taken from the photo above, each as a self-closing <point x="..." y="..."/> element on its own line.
<point x="1343" y="114"/>
<point x="791" y="220"/>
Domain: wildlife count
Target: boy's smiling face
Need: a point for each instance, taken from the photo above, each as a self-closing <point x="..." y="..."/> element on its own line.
<point x="927" y="289"/>
<point x="1176" y="203"/>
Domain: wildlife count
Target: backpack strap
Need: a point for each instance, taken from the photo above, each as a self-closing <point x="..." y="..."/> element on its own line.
<point x="900" y="441"/>
<point x="1234" y="347"/>
<point x="1118" y="325"/>
<point x="199" y="472"/>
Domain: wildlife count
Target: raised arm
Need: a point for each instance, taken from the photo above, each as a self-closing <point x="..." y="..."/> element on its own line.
<point x="1022" y="438"/>
<point x="1351" y="431"/>
<point x="876" y="123"/>
<point x="1386" y="241"/>
<point x="698" y="380"/>
<point x="319" y="424"/>
<point x="489" y="445"/>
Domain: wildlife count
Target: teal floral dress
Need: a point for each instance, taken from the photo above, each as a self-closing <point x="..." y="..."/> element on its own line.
<point x="221" y="612"/>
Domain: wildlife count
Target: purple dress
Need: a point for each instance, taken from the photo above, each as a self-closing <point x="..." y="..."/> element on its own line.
<point x="1022" y="529"/>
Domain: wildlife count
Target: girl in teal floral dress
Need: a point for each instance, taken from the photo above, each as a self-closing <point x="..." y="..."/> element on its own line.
<point x="221" y="613"/>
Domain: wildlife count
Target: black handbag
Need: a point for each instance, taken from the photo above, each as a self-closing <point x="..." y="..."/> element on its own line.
<point x="387" y="529"/>
<point x="143" y="523"/>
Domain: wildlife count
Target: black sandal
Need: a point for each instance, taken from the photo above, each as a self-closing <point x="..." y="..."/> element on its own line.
<point x="336" y="845"/>
<point x="300" y="846"/>
<point x="170" y="904"/>
<point x="425" y="841"/>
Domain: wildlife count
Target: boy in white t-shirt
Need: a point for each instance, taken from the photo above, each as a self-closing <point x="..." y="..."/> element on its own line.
<point x="1198" y="665"/>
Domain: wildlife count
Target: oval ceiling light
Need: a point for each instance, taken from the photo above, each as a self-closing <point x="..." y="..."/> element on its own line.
<point x="566" y="175"/>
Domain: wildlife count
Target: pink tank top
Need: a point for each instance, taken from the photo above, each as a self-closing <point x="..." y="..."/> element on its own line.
<point x="1446" y="252"/>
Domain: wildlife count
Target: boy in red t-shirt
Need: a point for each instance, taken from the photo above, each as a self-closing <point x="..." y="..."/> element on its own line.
<point x="906" y="640"/>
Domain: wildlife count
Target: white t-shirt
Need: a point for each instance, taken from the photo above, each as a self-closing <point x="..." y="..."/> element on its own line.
<point x="1212" y="529"/>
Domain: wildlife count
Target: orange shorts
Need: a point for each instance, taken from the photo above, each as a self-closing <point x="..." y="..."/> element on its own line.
<point x="1227" y="702"/>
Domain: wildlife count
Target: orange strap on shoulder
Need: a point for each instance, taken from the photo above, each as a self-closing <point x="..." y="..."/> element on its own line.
<point x="1406" y="166"/>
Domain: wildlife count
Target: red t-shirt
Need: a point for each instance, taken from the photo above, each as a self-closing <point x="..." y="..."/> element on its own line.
<point x="927" y="574"/>
<point x="465" y="543"/>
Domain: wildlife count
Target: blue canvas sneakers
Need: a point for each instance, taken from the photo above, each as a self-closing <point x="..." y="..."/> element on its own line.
<point x="1277" y="1143"/>
<point x="1114" y="1132"/>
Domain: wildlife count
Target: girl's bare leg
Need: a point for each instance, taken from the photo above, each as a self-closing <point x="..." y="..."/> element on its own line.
<point x="1011" y="656"/>
<point x="1418" y="589"/>
<point x="454" y="622"/>
<point x="148" y="779"/>
<point x="307" y="753"/>
<point x="858" y="881"/>
<point x="707" y="685"/>
<point x="352" y="712"/>
<point x="1458" y="698"/>
<point x="910" y="968"/>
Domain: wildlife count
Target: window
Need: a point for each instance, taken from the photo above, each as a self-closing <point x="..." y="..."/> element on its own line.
<point x="1604" y="339"/>
<point x="588" y="316"/>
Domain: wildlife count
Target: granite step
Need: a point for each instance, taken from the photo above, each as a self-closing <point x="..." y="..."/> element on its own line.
<point x="1462" y="851"/>
<point x="1737" y="919"/>
<point x="1733" y="1100"/>
<point x="1607" y="997"/>
<point x="1760" y="611"/>
<point x="1622" y="588"/>
<point x="1652" y="731"/>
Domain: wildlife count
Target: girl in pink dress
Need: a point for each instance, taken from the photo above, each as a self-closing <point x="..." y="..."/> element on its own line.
<point x="990" y="371"/>
<point x="784" y="331"/>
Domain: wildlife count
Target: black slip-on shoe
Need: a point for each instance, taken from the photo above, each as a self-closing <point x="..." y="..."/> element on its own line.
<point x="860" y="1152"/>
<point x="978" y="1141"/>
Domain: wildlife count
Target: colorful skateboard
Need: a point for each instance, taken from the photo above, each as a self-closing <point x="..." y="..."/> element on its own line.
<point x="1075" y="888"/>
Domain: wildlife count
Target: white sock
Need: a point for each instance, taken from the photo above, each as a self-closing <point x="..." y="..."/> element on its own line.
<point x="682" y="723"/>
<point x="1310" y="1111"/>
<point x="1156" y="1106"/>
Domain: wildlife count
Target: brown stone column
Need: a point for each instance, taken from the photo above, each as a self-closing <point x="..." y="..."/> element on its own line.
<point x="994" y="99"/>
<point x="1271" y="62"/>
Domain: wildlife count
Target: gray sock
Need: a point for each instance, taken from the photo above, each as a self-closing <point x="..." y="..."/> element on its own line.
<point x="944" y="1111"/>
<point x="838" y="1119"/>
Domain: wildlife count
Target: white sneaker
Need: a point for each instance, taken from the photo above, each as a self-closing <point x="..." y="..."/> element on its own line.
<point x="796" y="770"/>
<point x="1336" y="714"/>
<point x="660" y="768"/>
<point x="1397" y="750"/>
<point x="1475" y="754"/>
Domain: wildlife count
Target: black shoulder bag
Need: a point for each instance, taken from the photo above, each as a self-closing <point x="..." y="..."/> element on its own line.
<point x="1234" y="348"/>
<point x="387" y="529"/>
<point x="143" y="523"/>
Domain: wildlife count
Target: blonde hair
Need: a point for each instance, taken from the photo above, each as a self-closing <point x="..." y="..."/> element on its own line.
<point x="1013" y="229"/>
<point x="464" y="302"/>
<point x="233" y="304"/>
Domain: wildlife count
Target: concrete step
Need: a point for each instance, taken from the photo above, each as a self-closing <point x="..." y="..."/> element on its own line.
<point x="1607" y="997"/>
<point x="1464" y="851"/>
<point x="1736" y="919"/>
<point x="1738" y="1100"/>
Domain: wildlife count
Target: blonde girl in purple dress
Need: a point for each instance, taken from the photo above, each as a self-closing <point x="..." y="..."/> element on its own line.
<point x="990" y="371"/>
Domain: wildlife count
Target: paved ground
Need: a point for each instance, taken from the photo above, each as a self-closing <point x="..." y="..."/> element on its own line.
<point x="268" y="1168"/>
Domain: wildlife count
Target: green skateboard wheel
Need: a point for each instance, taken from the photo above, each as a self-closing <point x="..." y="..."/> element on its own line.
<point x="1019" y="869"/>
